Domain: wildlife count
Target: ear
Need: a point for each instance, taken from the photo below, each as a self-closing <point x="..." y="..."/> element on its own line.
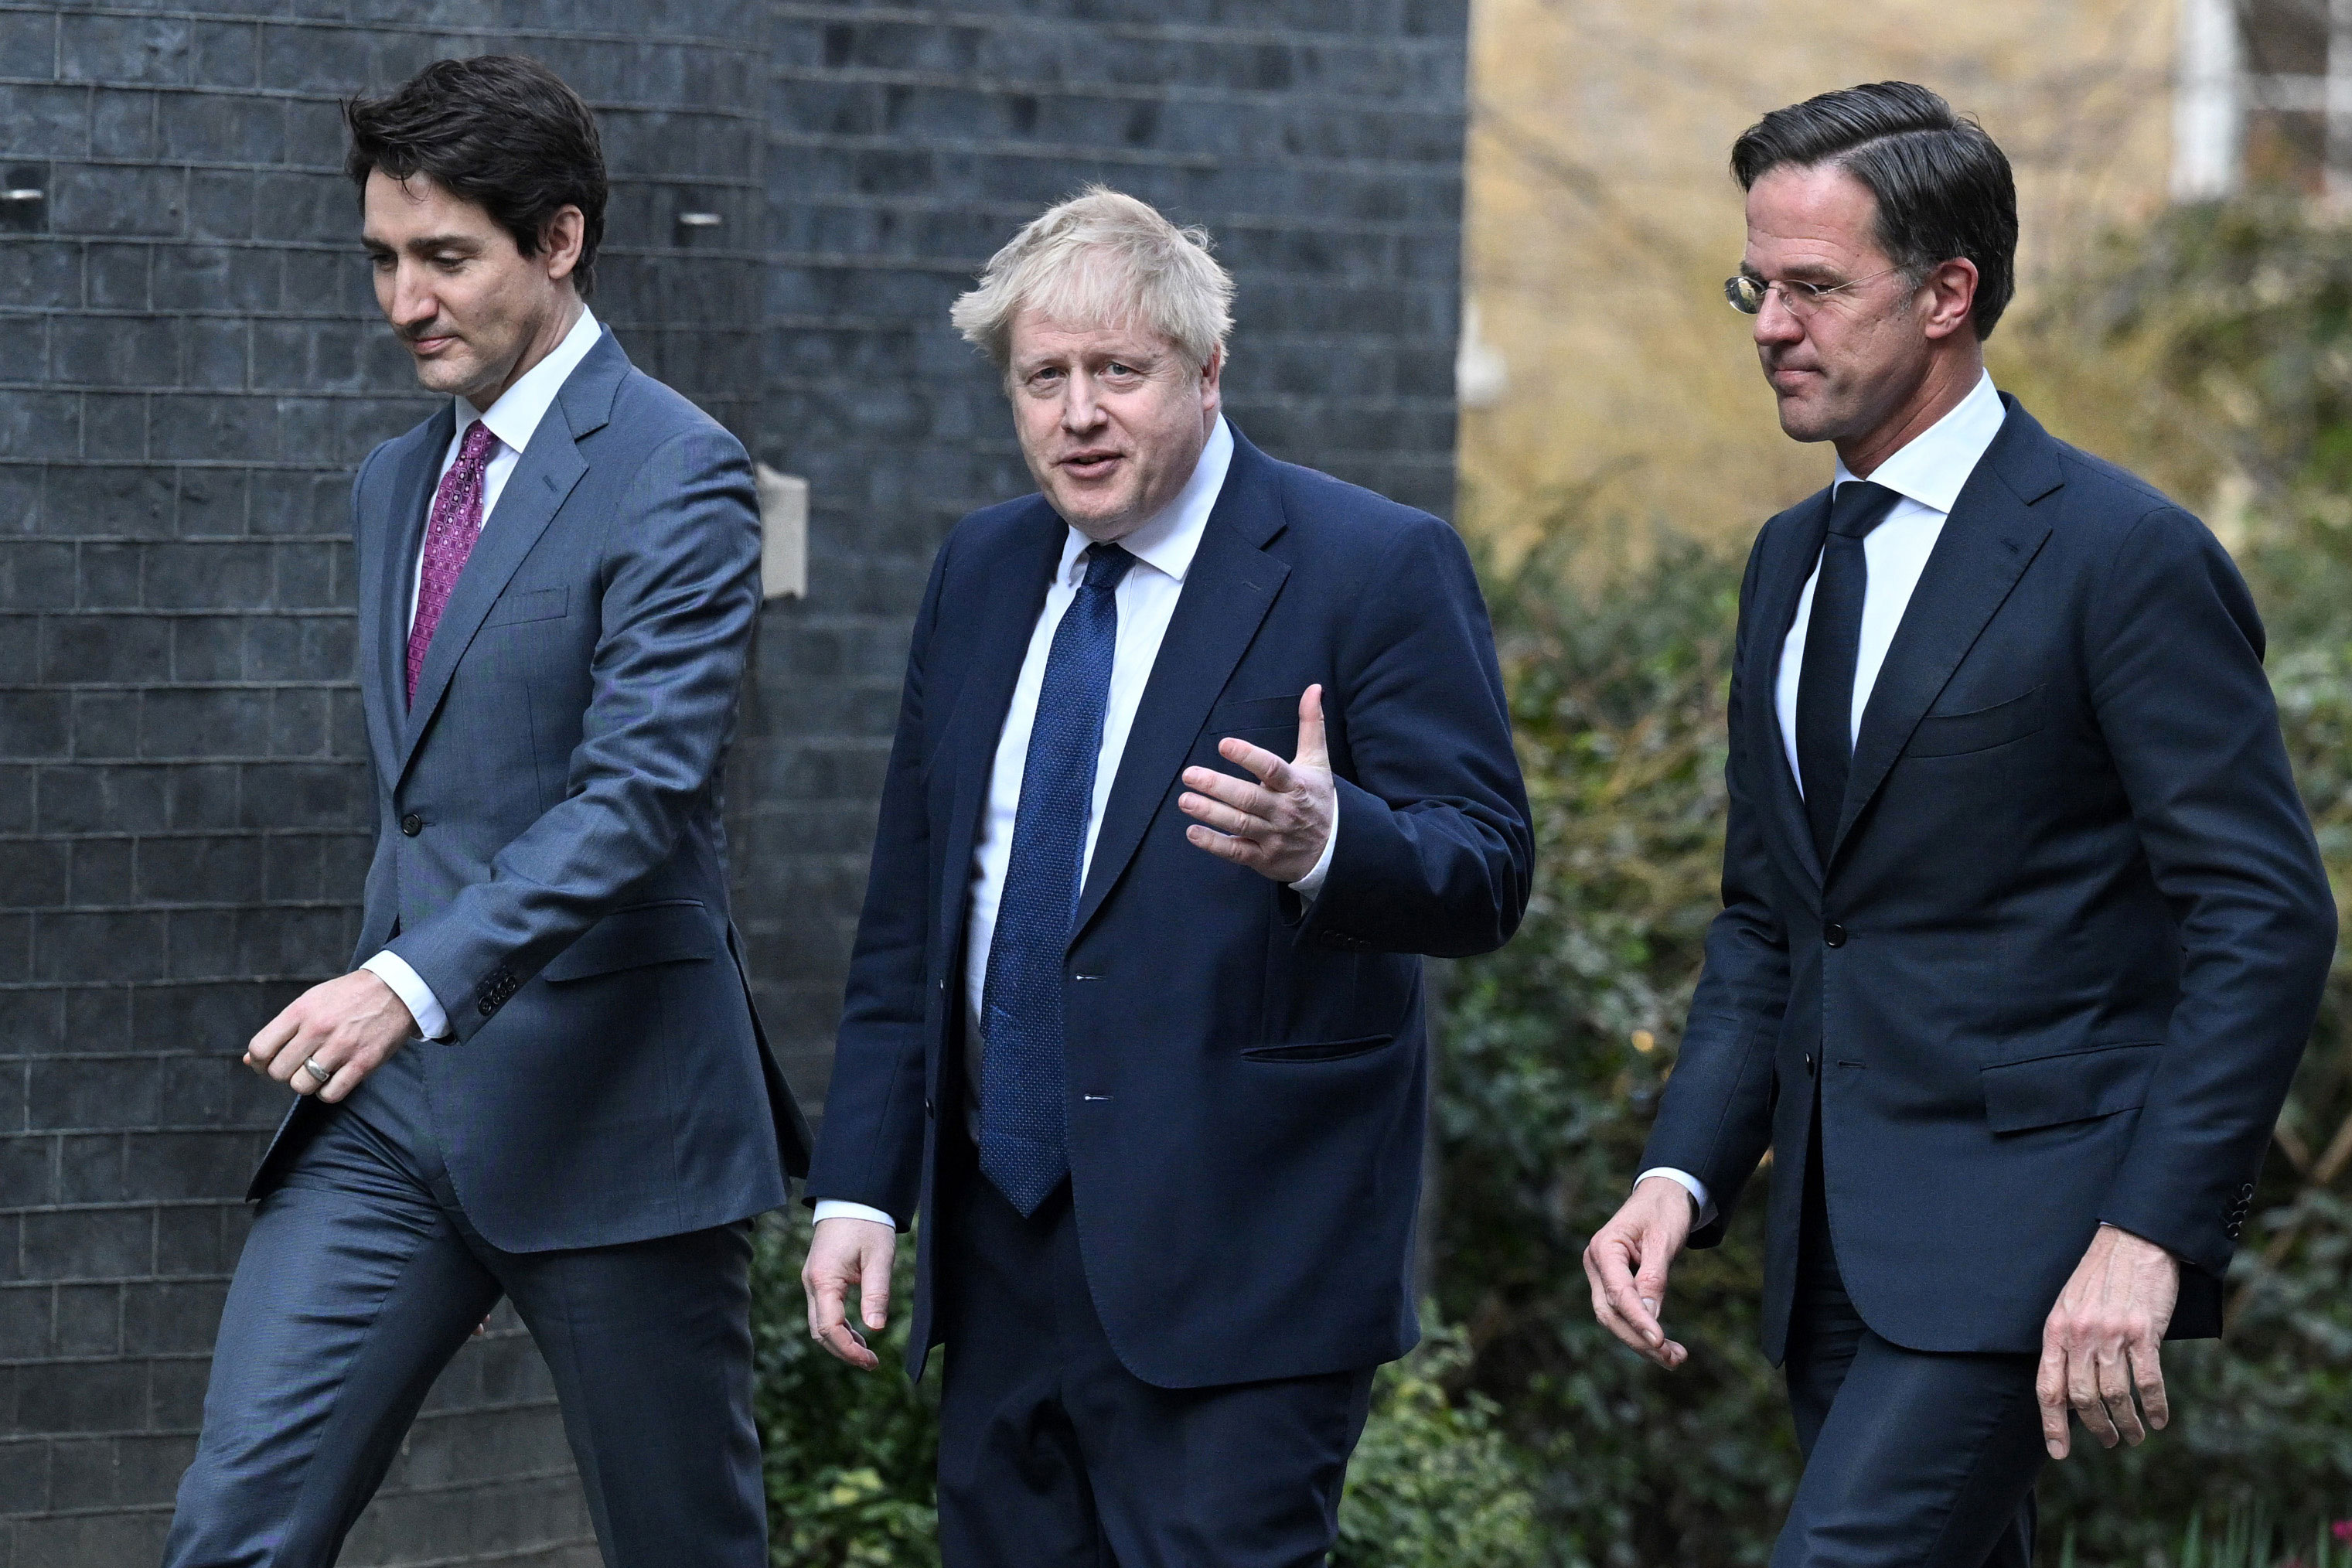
<point x="1951" y="293"/>
<point x="1212" y="392"/>
<point x="561" y="241"/>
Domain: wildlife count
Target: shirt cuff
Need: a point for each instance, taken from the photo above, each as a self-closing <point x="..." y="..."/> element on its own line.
<point x="834" y="1208"/>
<point x="1689" y="1183"/>
<point x="388" y="966"/>
<point x="1310" y="884"/>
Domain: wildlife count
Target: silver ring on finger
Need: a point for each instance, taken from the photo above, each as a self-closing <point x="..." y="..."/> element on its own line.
<point x="320" y="1073"/>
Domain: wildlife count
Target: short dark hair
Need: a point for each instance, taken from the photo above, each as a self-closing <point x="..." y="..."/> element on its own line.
<point x="1943" y="187"/>
<point x="499" y="130"/>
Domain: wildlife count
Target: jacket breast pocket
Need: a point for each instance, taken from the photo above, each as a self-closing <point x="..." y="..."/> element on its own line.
<point x="1252" y="714"/>
<point x="2076" y="1086"/>
<point x="1980" y="728"/>
<point x="538" y="604"/>
<point x="633" y="938"/>
<point x="1268" y="722"/>
<point x="1319" y="1050"/>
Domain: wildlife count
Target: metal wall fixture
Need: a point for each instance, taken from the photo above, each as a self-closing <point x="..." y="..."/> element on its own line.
<point x="24" y="199"/>
<point x="783" y="534"/>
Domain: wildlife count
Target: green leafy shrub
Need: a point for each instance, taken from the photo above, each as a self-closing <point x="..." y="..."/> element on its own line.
<point x="1435" y="1483"/>
<point x="2245" y="1538"/>
<point x="851" y="1455"/>
<point x="1557" y="1047"/>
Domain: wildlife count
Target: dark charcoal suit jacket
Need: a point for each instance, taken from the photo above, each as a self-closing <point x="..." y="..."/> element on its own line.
<point x="550" y="856"/>
<point x="2070" y="936"/>
<point x="1247" y="1078"/>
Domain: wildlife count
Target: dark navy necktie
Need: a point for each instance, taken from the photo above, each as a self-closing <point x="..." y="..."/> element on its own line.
<point x="1023" y="1144"/>
<point x="1832" y="644"/>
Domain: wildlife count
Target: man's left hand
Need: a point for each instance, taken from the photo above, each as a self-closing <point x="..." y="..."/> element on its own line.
<point x="2102" y="1342"/>
<point x="1279" y="825"/>
<point x="347" y="1025"/>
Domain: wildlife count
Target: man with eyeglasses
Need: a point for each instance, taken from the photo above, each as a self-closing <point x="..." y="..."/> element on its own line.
<point x="2023" y="925"/>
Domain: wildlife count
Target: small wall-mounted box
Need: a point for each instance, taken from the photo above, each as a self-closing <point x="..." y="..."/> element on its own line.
<point x="783" y="534"/>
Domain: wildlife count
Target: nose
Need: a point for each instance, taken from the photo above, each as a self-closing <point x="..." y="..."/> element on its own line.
<point x="1080" y="410"/>
<point x="412" y="302"/>
<point x="1775" y="322"/>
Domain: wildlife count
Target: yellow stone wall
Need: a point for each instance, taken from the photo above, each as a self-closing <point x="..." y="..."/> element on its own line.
<point x="1602" y="219"/>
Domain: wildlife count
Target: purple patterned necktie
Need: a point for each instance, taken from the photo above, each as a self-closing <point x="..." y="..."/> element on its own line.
<point x="449" y="539"/>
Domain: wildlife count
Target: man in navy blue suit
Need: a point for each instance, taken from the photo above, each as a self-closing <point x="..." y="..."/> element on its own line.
<point x="2024" y="924"/>
<point x="1199" y="753"/>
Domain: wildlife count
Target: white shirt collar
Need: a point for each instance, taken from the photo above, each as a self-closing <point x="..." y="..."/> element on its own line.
<point x="517" y="413"/>
<point x="1934" y="465"/>
<point x="1170" y="540"/>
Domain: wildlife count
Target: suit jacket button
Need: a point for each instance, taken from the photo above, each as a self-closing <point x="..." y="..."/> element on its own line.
<point x="1833" y="934"/>
<point x="1809" y="1064"/>
<point x="928" y="1112"/>
<point x="411" y="825"/>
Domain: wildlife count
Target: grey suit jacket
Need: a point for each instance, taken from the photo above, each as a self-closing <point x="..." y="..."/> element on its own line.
<point x="550" y="854"/>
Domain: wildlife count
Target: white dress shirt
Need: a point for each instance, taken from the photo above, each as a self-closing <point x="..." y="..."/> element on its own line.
<point x="1163" y="550"/>
<point x="1927" y="474"/>
<point x="513" y="420"/>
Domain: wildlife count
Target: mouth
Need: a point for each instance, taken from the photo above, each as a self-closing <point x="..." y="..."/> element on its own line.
<point x="427" y="347"/>
<point x="1090" y="465"/>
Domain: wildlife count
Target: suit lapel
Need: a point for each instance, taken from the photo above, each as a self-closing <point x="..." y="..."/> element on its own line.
<point x="1228" y="590"/>
<point x="1992" y="536"/>
<point x="1776" y="612"/>
<point x="1013" y="591"/>
<point x="388" y="572"/>
<point x="542" y="481"/>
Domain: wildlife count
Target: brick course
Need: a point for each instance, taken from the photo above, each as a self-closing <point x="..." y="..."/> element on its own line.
<point x="190" y="366"/>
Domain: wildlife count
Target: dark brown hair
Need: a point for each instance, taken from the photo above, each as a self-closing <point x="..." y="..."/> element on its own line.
<point x="499" y="130"/>
<point x="1943" y="186"/>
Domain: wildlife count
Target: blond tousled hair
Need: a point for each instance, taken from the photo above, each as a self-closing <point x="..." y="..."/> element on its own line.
<point x="1102" y="258"/>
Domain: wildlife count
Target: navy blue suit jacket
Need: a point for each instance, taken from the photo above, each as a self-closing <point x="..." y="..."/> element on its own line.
<point x="549" y="856"/>
<point x="2071" y="932"/>
<point x="1247" y="1077"/>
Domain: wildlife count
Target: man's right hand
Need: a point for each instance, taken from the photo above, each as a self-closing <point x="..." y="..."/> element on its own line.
<point x="845" y="1253"/>
<point x="1627" y="1262"/>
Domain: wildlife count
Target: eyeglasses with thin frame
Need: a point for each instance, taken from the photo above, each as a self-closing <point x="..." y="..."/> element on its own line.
<point x="1747" y="293"/>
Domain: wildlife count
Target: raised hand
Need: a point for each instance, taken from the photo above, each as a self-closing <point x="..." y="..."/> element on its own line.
<point x="1626" y="1263"/>
<point x="1279" y="825"/>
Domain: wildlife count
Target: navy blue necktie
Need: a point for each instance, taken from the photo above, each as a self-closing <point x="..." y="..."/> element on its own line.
<point x="1024" y="1142"/>
<point x="1832" y="645"/>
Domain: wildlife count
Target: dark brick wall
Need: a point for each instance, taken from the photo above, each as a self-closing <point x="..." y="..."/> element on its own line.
<point x="190" y="365"/>
<point x="1319" y="141"/>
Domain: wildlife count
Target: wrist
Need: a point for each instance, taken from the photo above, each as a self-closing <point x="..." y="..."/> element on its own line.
<point x="1702" y="1205"/>
<point x="2137" y="1241"/>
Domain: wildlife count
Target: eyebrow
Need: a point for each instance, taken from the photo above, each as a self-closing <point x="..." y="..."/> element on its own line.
<point x="1802" y="272"/>
<point x="1057" y="360"/>
<point x="430" y="242"/>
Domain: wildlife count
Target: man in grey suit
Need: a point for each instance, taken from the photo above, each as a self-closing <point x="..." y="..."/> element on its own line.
<point x="543" y="1080"/>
